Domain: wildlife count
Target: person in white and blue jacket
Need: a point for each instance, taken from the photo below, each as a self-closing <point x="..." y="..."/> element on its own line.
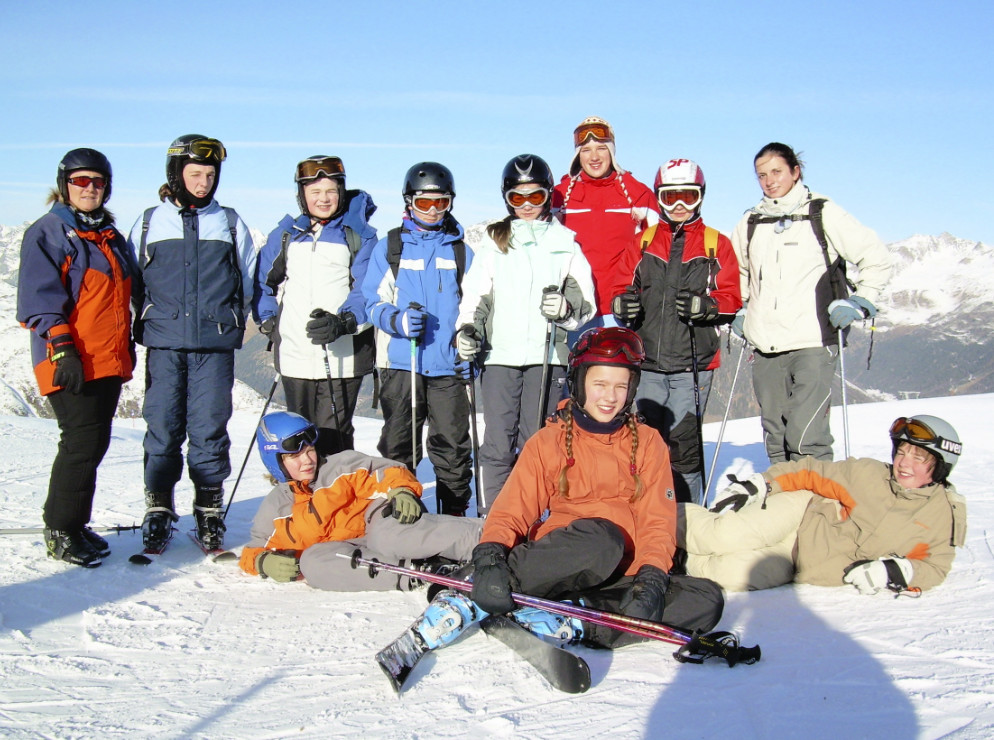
<point x="412" y="291"/>
<point x="308" y="300"/>
<point x="197" y="262"/>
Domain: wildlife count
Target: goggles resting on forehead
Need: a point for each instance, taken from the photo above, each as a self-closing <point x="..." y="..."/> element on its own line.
<point x="425" y="203"/>
<point x="516" y="198"/>
<point x="202" y="150"/>
<point x="672" y="195"/>
<point x="610" y="342"/>
<point x="296" y="442"/>
<point x="312" y="169"/>
<point x="599" y="131"/>
<point x="913" y="430"/>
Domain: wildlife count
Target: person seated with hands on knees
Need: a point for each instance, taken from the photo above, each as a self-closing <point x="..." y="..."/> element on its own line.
<point x="610" y="536"/>
<point x="860" y="522"/>
<point x="321" y="508"/>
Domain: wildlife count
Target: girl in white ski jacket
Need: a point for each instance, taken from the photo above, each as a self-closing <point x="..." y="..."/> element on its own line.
<point x="529" y="285"/>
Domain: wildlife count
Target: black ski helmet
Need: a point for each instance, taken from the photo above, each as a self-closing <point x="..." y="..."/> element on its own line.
<point x="193" y="148"/>
<point x="605" y="345"/>
<point x="428" y="177"/>
<point x="82" y="159"/>
<point x="315" y="167"/>
<point x="527" y="169"/>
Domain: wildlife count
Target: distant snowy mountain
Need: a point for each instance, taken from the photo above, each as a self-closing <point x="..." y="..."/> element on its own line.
<point x="932" y="335"/>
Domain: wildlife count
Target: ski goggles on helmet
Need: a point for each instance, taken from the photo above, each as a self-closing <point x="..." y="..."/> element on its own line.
<point x="83" y="181"/>
<point x="202" y="150"/>
<point x="312" y="169"/>
<point x="296" y="442"/>
<point x="607" y="343"/>
<point x="670" y="197"/>
<point x="915" y="431"/>
<point x="596" y="130"/>
<point x="425" y="203"/>
<point x="517" y="198"/>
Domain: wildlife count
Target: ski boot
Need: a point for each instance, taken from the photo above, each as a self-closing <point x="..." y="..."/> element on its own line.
<point x="72" y="547"/>
<point x="554" y="628"/>
<point x="157" y="527"/>
<point x="97" y="542"/>
<point x="208" y="510"/>
<point x="446" y="618"/>
<point x="436" y="564"/>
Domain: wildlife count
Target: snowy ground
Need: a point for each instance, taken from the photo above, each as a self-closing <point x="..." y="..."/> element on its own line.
<point x="187" y="648"/>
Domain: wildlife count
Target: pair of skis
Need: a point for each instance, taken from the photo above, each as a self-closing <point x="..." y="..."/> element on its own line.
<point x="563" y="669"/>
<point x="148" y="555"/>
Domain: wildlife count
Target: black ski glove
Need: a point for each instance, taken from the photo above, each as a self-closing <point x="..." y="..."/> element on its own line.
<point x="324" y="327"/>
<point x="493" y="580"/>
<point x="626" y="306"/>
<point x="68" y="367"/>
<point x="267" y="327"/>
<point x="696" y="306"/>
<point x="647" y="595"/>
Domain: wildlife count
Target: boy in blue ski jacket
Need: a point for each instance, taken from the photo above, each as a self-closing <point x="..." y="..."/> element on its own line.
<point x="197" y="262"/>
<point x="412" y="296"/>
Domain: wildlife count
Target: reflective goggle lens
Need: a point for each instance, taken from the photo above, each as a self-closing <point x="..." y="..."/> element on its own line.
<point x="914" y="430"/>
<point x="586" y="131"/>
<point x="516" y="198"/>
<point x="297" y="442"/>
<point x="83" y="181"/>
<point x="669" y="197"/>
<point x="610" y="342"/>
<point x="204" y="150"/>
<point x="311" y="169"/>
<point x="425" y="203"/>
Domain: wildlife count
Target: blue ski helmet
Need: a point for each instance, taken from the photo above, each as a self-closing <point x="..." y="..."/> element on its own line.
<point x="281" y="433"/>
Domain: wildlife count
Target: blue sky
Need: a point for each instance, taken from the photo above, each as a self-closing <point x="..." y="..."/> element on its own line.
<point x="890" y="102"/>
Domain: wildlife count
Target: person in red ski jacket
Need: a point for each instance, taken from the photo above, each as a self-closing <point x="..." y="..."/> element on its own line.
<point x="74" y="292"/>
<point x="605" y="206"/>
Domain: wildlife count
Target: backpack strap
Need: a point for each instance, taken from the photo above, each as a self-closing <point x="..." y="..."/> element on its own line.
<point x="354" y="242"/>
<point x="232" y="217"/>
<point x="711" y="252"/>
<point x="647" y="236"/>
<point x="143" y="252"/>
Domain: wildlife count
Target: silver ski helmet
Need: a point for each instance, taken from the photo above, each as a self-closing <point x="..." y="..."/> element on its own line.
<point x="281" y="433"/>
<point x="527" y="169"/>
<point x="933" y="434"/>
<point x="82" y="159"/>
<point x="193" y="148"/>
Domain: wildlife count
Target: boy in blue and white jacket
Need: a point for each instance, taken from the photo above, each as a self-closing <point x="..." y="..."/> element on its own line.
<point x="197" y="261"/>
<point x="412" y="296"/>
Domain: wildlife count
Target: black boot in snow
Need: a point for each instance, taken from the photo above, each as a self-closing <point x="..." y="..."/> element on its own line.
<point x="72" y="547"/>
<point x="157" y="527"/>
<point x="208" y="510"/>
<point x="97" y="542"/>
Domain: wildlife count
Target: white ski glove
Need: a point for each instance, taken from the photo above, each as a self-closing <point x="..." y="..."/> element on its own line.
<point x="554" y="305"/>
<point x="741" y="493"/>
<point x="468" y="342"/>
<point x="870" y="576"/>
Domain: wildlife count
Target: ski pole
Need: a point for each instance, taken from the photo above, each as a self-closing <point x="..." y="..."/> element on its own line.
<point x="697" y="406"/>
<point x="481" y="499"/>
<point x="724" y="421"/>
<point x="118" y="528"/>
<point x="845" y="409"/>
<point x="543" y="396"/>
<point x="334" y="406"/>
<point x="248" y="452"/>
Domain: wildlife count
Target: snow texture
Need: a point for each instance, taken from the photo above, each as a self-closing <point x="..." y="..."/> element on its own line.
<point x="186" y="648"/>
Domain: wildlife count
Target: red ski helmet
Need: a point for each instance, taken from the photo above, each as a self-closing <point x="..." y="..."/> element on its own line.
<point x="606" y="345"/>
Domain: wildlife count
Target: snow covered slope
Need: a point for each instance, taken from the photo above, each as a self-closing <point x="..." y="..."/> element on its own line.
<point x="187" y="648"/>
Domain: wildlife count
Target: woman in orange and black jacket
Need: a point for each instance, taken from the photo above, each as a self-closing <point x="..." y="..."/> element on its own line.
<point x="74" y="293"/>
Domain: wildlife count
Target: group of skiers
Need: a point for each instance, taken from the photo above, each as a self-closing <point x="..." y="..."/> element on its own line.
<point x="590" y="316"/>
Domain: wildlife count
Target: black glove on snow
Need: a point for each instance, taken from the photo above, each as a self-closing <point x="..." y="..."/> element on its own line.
<point x="68" y="367"/>
<point x="696" y="307"/>
<point x="647" y="595"/>
<point x="324" y="327"/>
<point x="493" y="580"/>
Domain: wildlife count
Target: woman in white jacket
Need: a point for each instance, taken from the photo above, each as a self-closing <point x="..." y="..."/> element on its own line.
<point x="528" y="285"/>
<point x="792" y="248"/>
